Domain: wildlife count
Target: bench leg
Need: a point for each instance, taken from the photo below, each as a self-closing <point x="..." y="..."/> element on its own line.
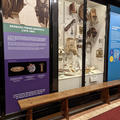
<point x="118" y="91"/>
<point x="105" y="96"/>
<point x="65" y="109"/>
<point x="29" y="114"/>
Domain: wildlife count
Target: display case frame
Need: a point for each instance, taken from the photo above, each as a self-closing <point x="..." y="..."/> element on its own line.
<point x="2" y="69"/>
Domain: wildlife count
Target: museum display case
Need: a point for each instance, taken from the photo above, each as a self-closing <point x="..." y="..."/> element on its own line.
<point x="70" y="44"/>
<point x="70" y="47"/>
<point x="95" y="43"/>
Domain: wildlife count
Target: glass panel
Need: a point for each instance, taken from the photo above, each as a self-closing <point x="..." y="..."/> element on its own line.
<point x="70" y="43"/>
<point x="95" y="43"/>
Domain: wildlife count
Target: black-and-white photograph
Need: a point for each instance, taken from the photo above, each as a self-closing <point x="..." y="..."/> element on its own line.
<point x="26" y="12"/>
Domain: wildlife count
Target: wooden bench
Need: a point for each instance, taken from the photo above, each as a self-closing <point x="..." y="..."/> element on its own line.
<point x="30" y="103"/>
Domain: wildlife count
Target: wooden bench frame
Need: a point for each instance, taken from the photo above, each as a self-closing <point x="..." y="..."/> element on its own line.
<point x="30" y="103"/>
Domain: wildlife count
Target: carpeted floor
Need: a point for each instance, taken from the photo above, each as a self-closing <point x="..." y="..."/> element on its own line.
<point x="113" y="114"/>
<point x="94" y="113"/>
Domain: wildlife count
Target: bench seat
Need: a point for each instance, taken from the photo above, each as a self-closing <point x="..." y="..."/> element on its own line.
<point x="30" y="103"/>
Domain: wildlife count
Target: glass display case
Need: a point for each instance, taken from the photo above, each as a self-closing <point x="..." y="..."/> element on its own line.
<point x="95" y="43"/>
<point x="70" y="20"/>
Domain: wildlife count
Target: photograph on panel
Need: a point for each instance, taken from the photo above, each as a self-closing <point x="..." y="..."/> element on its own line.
<point x="26" y="12"/>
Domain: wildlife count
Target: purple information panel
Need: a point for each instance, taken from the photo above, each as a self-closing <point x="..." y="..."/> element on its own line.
<point x="26" y="50"/>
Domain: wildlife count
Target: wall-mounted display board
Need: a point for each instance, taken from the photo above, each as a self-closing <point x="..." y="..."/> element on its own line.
<point x="26" y="50"/>
<point x="114" y="45"/>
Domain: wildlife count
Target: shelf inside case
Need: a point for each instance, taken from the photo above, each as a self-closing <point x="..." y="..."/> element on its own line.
<point x="91" y="73"/>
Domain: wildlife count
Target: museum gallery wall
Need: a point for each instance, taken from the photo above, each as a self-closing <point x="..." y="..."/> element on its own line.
<point x="26" y="47"/>
<point x="26" y="50"/>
